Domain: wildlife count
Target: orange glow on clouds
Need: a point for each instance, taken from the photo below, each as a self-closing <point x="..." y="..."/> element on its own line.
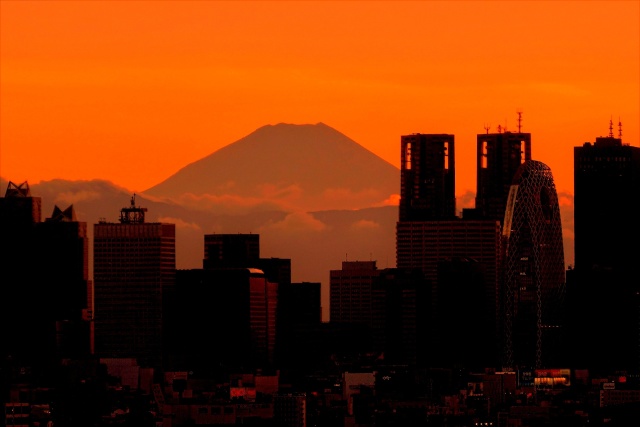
<point x="133" y="91"/>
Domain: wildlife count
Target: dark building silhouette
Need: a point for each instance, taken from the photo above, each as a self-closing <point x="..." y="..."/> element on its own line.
<point x="221" y="320"/>
<point x="428" y="230"/>
<point x="427" y="177"/>
<point x="424" y="244"/>
<point x="233" y="298"/>
<point x="19" y="214"/>
<point x="534" y="277"/>
<point x="231" y="250"/>
<point x="134" y="272"/>
<point x="464" y="320"/>
<point x="243" y="251"/>
<point x="45" y="287"/>
<point x="402" y="305"/>
<point x="498" y="157"/>
<point x="299" y="315"/>
<point x="63" y="252"/>
<point x="351" y="292"/>
<point x="603" y="288"/>
<point x="606" y="179"/>
<point x="390" y="308"/>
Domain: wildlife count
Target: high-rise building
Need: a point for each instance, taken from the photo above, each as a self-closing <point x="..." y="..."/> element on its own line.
<point x="429" y="231"/>
<point x="20" y="212"/>
<point x="351" y="290"/>
<point x="464" y="321"/>
<point x="388" y="308"/>
<point x="222" y="318"/>
<point x="534" y="276"/>
<point x="425" y="244"/>
<point x="233" y="298"/>
<point x="427" y="177"/>
<point x="243" y="251"/>
<point x="63" y="254"/>
<point x="299" y="313"/>
<point x="498" y="157"/>
<point x="231" y="250"/>
<point x="401" y="303"/>
<point x="45" y="288"/>
<point x="604" y="290"/>
<point x="606" y="178"/>
<point x="134" y="270"/>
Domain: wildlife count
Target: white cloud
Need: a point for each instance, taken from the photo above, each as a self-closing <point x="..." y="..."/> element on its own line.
<point x="180" y="223"/>
<point x="297" y="222"/>
<point x="71" y="197"/>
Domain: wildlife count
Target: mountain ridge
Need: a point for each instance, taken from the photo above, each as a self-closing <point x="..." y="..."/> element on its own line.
<point x="294" y="165"/>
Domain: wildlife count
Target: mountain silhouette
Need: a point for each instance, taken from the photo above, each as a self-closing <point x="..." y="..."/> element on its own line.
<point x="308" y="167"/>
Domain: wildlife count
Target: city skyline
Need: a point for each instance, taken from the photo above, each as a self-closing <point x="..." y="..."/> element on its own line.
<point x="219" y="344"/>
<point x="137" y="90"/>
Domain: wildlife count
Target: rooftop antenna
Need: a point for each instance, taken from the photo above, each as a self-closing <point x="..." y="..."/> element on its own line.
<point x="519" y="120"/>
<point x="487" y="127"/>
<point x="611" y="127"/>
<point x="132" y="214"/>
<point x="499" y="129"/>
<point x="619" y="128"/>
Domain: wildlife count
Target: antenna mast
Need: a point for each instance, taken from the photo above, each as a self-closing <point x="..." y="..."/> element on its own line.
<point x="619" y="128"/>
<point x="519" y="120"/>
<point x="611" y="128"/>
<point x="487" y="127"/>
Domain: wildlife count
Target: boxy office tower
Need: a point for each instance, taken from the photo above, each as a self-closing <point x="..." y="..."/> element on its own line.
<point x="604" y="289"/>
<point x="134" y="270"/>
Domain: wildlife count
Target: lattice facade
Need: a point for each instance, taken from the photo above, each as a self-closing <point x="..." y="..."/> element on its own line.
<point x="534" y="277"/>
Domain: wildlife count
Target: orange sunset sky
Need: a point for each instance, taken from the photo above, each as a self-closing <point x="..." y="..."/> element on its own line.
<point x="132" y="91"/>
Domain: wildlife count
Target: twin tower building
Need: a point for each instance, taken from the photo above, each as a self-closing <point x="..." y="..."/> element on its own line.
<point x="504" y="258"/>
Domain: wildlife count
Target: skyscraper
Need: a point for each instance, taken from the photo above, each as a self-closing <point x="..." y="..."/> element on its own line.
<point x="606" y="178"/>
<point x="231" y="250"/>
<point x="210" y="320"/>
<point x="498" y="157"/>
<point x="299" y="313"/>
<point x="425" y="244"/>
<point x="427" y="177"/>
<point x="428" y="230"/>
<point x="534" y="282"/>
<point x="45" y="287"/>
<point x="134" y="269"/>
<point x="20" y="212"/>
<point x="243" y="251"/>
<point x="62" y="248"/>
<point x="605" y="291"/>
<point x="351" y="292"/>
